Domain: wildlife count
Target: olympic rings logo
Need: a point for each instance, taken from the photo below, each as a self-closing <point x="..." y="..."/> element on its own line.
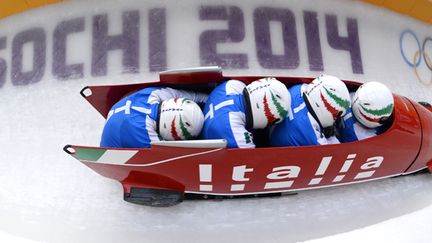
<point x="420" y="54"/>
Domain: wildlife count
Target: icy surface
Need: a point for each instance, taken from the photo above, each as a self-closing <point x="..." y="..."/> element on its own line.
<point x="47" y="196"/>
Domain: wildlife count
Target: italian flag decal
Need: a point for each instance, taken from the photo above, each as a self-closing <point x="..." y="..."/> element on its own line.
<point x="342" y="103"/>
<point x="386" y="111"/>
<point x="174" y="131"/>
<point x="281" y="112"/>
<point x="184" y="130"/>
<point x="267" y="111"/>
<point x="104" y="156"/>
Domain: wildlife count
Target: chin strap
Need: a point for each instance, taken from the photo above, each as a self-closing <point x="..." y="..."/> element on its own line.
<point x="309" y="107"/>
<point x="249" y="118"/>
<point x="158" y="117"/>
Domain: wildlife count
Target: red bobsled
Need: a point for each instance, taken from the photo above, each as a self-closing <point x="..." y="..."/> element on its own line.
<point x="168" y="172"/>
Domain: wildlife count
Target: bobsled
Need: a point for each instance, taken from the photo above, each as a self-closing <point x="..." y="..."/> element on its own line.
<point x="170" y="171"/>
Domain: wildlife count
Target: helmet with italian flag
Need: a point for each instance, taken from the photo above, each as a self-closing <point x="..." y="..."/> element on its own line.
<point x="372" y="104"/>
<point x="269" y="101"/>
<point x="180" y="119"/>
<point x="329" y="99"/>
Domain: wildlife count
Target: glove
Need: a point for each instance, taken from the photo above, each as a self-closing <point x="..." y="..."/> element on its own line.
<point x="329" y="131"/>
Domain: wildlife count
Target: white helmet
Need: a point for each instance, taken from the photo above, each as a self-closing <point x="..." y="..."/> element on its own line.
<point x="372" y="104"/>
<point x="329" y="98"/>
<point x="180" y="119"/>
<point x="269" y="101"/>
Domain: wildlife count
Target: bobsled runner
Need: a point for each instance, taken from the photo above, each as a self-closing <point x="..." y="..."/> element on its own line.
<point x="171" y="171"/>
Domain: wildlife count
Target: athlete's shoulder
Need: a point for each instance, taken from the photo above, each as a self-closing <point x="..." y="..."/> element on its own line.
<point x="297" y="101"/>
<point x="297" y="90"/>
<point x="232" y="87"/>
<point x="349" y="117"/>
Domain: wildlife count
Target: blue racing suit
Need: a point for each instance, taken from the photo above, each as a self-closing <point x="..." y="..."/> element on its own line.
<point x="300" y="128"/>
<point x="131" y="122"/>
<point x="225" y="116"/>
<point x="350" y="130"/>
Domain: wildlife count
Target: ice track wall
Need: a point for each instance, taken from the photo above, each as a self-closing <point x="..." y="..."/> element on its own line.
<point x="47" y="55"/>
<point x="84" y="40"/>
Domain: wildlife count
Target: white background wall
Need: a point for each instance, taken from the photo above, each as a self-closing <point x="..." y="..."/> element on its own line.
<point x="379" y="34"/>
<point x="47" y="196"/>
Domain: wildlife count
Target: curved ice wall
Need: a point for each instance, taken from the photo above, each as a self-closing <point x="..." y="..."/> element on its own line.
<point x="86" y="40"/>
<point x="48" y="54"/>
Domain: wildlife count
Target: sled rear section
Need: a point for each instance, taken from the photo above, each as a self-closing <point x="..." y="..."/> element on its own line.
<point x="163" y="174"/>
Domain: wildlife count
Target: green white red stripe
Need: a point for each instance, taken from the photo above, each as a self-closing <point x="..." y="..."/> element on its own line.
<point x="122" y="157"/>
<point x="267" y="111"/>
<point x="329" y="107"/>
<point x="105" y="156"/>
<point x="282" y="112"/>
<point x="174" y="131"/>
<point x="379" y="112"/>
<point x="374" y="115"/>
<point x="342" y="103"/>
<point x="185" y="132"/>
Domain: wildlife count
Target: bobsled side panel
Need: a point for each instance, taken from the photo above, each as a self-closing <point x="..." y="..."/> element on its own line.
<point x="192" y="76"/>
<point x="102" y="98"/>
<point x="220" y="171"/>
<point x="139" y="179"/>
<point x="262" y="170"/>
